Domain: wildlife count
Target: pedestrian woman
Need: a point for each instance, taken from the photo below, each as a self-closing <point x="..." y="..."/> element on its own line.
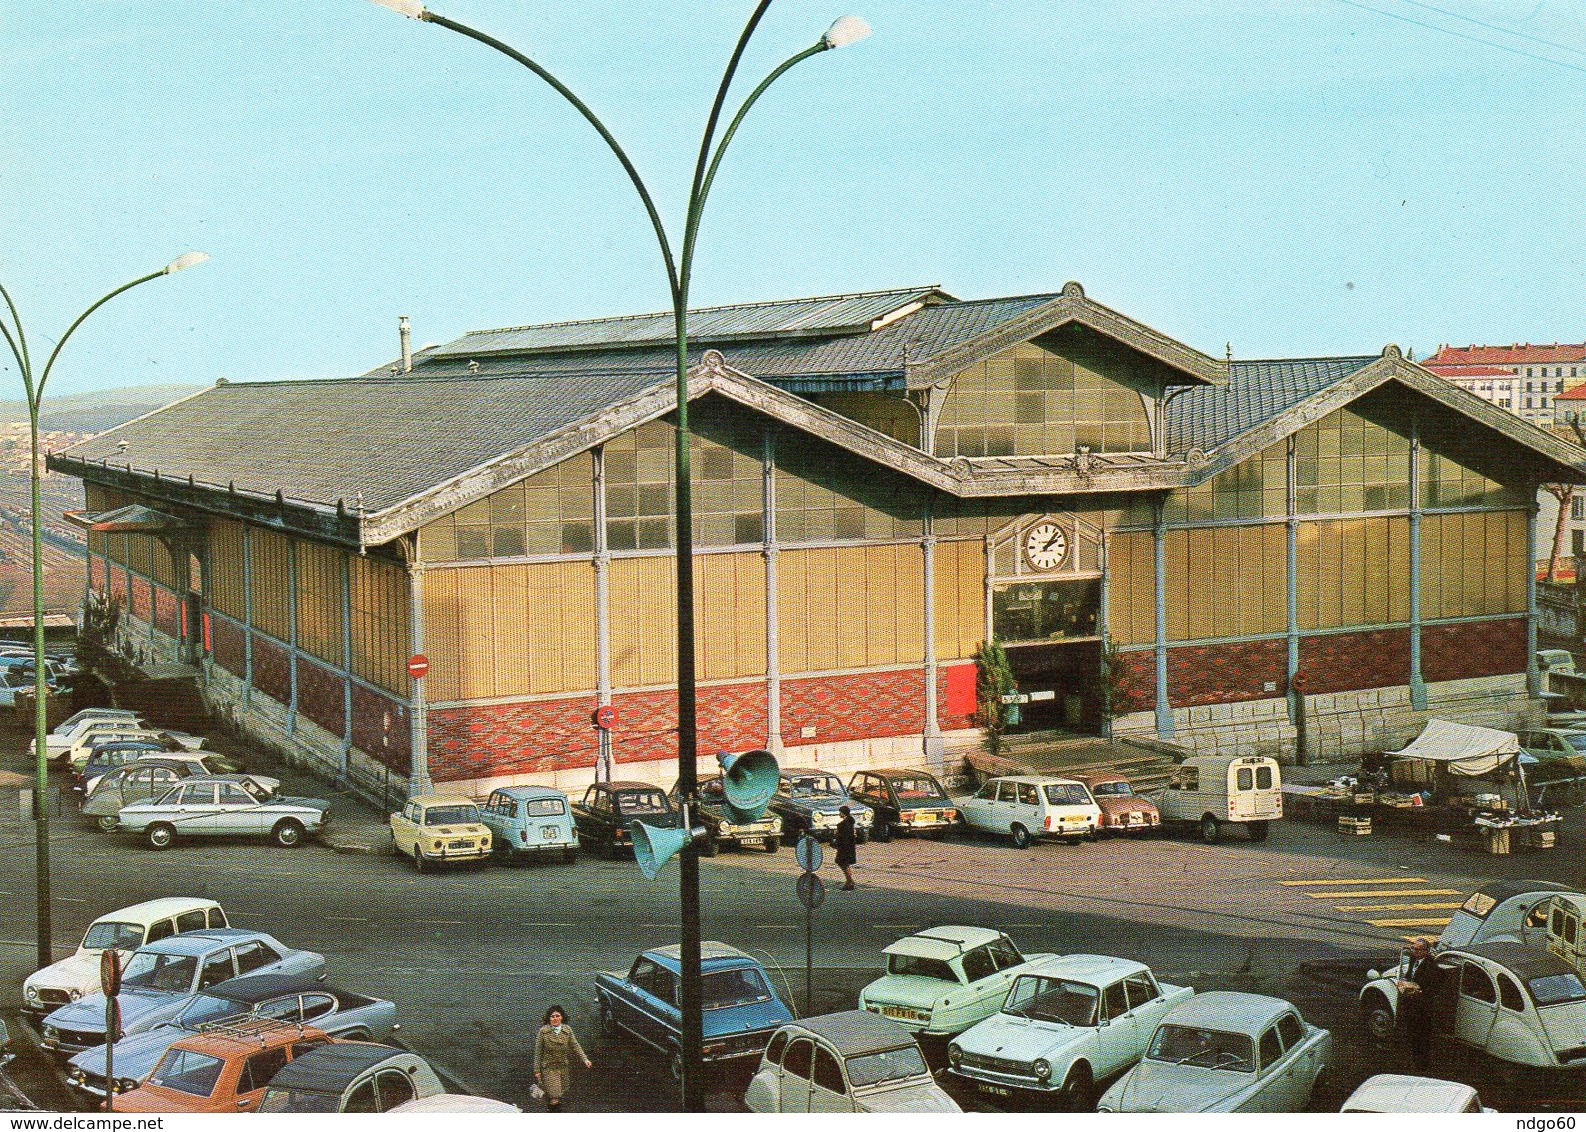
<point x="846" y="856"/>
<point x="555" y="1047"/>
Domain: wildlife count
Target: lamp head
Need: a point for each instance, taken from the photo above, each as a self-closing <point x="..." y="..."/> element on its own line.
<point x="412" y="9"/>
<point x="847" y="29"/>
<point x="184" y="261"/>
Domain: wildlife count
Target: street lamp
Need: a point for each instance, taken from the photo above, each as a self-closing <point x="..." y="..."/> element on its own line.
<point x="846" y="30"/>
<point x="17" y="340"/>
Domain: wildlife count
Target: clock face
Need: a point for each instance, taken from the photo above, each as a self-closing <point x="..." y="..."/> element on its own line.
<point x="1045" y="545"/>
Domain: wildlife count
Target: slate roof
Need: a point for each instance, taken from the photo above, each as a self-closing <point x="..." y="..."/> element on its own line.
<point x="1205" y="417"/>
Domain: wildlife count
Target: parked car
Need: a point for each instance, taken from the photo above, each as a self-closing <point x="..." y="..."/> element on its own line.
<point x="1512" y="910"/>
<point x="1122" y="810"/>
<point x="1068" y="1023"/>
<point x="440" y="829"/>
<point x="720" y="829"/>
<point x="530" y="823"/>
<point x="943" y="980"/>
<point x="1025" y="808"/>
<point x="108" y="756"/>
<point x="1566" y="914"/>
<point x="78" y="754"/>
<point x="741" y="1011"/>
<point x="606" y="815"/>
<point x="808" y="801"/>
<point x="161" y="976"/>
<point x="1521" y="1004"/>
<point x="453" y="1102"/>
<point x="848" y="1062"/>
<point x="1226" y="1051"/>
<point x="1211" y="791"/>
<point x="12" y="681"/>
<point x="65" y="726"/>
<point x="141" y="781"/>
<point x="904" y="801"/>
<point x="1559" y="752"/>
<point x="1555" y="660"/>
<point x="281" y="999"/>
<point x="58" y="743"/>
<point x="1395" y="1092"/>
<point x="124" y="930"/>
<point x="351" y="1077"/>
<point x="222" y="804"/>
<point x="225" y="1067"/>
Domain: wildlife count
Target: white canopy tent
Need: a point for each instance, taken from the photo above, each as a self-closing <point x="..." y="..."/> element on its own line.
<point x="1470" y="752"/>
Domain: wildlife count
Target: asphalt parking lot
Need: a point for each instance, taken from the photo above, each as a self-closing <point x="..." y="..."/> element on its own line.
<point x="473" y="957"/>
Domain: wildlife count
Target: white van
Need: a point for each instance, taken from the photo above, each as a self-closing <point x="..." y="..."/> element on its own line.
<point x="1211" y="791"/>
<point x="1566" y="935"/>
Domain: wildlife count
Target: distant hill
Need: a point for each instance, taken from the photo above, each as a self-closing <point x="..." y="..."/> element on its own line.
<point x="98" y="410"/>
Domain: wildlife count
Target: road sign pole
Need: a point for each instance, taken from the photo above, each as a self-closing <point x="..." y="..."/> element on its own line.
<point x="811" y="892"/>
<point x="809" y="962"/>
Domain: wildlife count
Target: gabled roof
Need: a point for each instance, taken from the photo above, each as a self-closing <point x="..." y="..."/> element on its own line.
<point x="1517" y="354"/>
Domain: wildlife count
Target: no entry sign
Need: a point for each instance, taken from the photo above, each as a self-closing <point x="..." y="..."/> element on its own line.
<point x="418" y="665"/>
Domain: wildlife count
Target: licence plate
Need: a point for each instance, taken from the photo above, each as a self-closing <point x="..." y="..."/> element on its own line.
<point x="994" y="1090"/>
<point x="904" y="1013"/>
<point x="548" y="832"/>
<point x="927" y="819"/>
<point x="752" y="842"/>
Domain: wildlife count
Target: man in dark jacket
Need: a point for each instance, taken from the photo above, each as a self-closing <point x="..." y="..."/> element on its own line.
<point x="1418" y="996"/>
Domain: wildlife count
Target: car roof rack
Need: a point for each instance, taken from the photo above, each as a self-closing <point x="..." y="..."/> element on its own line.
<point x="250" y="1029"/>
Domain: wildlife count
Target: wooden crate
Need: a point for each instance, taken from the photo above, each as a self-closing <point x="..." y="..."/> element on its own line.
<point x="1352" y="825"/>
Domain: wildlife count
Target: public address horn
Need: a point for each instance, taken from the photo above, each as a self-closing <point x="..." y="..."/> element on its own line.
<point x="749" y="782"/>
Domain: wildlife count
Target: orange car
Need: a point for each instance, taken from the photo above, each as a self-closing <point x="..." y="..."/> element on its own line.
<point x="222" y="1068"/>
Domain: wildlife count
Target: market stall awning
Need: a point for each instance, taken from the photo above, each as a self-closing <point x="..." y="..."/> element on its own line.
<point x="1462" y="749"/>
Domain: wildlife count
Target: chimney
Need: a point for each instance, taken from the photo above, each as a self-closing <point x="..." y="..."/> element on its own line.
<point x="406" y="334"/>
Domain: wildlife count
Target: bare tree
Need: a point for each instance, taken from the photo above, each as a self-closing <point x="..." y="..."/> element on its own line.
<point x="1565" y="494"/>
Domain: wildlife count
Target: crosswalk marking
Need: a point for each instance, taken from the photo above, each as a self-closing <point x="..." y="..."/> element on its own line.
<point x="1426" y="922"/>
<point x="1389" y="892"/>
<point x="1359" y="880"/>
<point x="1392" y="907"/>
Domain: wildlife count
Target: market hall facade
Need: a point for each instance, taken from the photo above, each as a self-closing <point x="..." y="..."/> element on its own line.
<point x="1167" y="543"/>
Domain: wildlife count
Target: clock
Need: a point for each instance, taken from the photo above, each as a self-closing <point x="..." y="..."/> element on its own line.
<point x="1045" y="545"/>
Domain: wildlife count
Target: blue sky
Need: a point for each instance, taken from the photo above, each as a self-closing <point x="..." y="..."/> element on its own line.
<point x="1289" y="177"/>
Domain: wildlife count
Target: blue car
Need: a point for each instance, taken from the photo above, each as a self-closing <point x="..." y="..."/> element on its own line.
<point x="741" y="1011"/>
<point x="808" y="800"/>
<point x="528" y="823"/>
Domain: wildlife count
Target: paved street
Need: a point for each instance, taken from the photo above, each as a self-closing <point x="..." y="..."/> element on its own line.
<point x="473" y="957"/>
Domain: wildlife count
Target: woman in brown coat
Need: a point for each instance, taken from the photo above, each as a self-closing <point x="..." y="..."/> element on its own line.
<point x="555" y="1046"/>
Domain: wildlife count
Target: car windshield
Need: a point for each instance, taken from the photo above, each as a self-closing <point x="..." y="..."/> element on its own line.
<point x="739" y="987"/>
<point x="1578" y="741"/>
<point x="815" y="786"/>
<point x="919" y="966"/>
<point x="888" y="1065"/>
<point x="544" y="807"/>
<point x="160" y="972"/>
<point x="917" y="789"/>
<point x="1550" y="990"/>
<point x="1212" y="1049"/>
<point x="450" y="815"/>
<point x="299" y="1100"/>
<point x="1102" y="789"/>
<point x="187" y="1071"/>
<point x="203" y="1008"/>
<point x="1052" y="1000"/>
<point x="1072" y="794"/>
<point x="108" y="936"/>
<point x="642" y="802"/>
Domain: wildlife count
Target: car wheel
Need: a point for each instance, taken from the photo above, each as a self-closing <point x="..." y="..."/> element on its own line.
<point x="863" y="835"/>
<point x="1258" y="830"/>
<point x="396" y="849"/>
<point x="1376" y="1017"/>
<point x="569" y="856"/>
<point x="108" y="823"/>
<point x="1079" y="1092"/>
<point x="419" y="864"/>
<point x="1020" y="836"/>
<point x="287" y="833"/>
<point x="883" y="832"/>
<point x="772" y="844"/>
<point x="160" y="836"/>
<point x="710" y="846"/>
<point x="608" y="1022"/>
<point x="1211" y="829"/>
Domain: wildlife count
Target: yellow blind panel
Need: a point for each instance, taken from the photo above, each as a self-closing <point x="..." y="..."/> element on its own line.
<point x="643" y="622"/>
<point x="1275" y="579"/>
<point x="94" y="497"/>
<point x="511" y="630"/>
<point x="169" y="571"/>
<point x="319" y="601"/>
<point x="1398" y="569"/>
<point x="476" y="642"/>
<point x="792" y="630"/>
<point x="381" y="639"/>
<point x="808" y="625"/>
<point x="139" y="556"/>
<point x="271" y="581"/>
<point x="575" y="586"/>
<point x="729" y="600"/>
<point x="852" y="601"/>
<point x="440" y="634"/>
<point x="960" y="598"/>
<point x="1131" y="597"/>
<point x="1431" y="571"/>
<point x="907" y="579"/>
<point x="225" y="568"/>
<point x="1516" y="566"/>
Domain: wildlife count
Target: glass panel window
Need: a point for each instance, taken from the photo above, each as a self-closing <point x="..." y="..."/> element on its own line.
<point x="1039" y="611"/>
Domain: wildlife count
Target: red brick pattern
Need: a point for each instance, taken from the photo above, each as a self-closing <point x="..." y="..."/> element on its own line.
<point x="1224" y="674"/>
<point x="1472" y="649"/>
<point x="1343" y="662"/>
<point x="142" y="598"/>
<point x="96" y="573"/>
<point x="863" y="705"/>
<point x="272" y="669"/>
<point x="226" y="642"/>
<point x="1136" y="681"/>
<point x="319" y="696"/>
<point x="167" y="613"/>
<point x="380" y="728"/>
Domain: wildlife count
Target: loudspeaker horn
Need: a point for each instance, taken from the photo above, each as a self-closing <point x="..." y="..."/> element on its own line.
<point x="654" y="847"/>
<point x="749" y="782"/>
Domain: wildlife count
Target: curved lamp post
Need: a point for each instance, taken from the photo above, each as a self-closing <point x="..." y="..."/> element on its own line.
<point x="846" y="30"/>
<point x="17" y="340"/>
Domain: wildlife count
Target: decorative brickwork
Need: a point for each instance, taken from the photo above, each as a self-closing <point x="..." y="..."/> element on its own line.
<point x="1373" y="658"/>
<point x="168" y="613"/>
<point x="272" y="673"/>
<point x="380" y="729"/>
<point x="860" y="706"/>
<point x="1473" y="648"/>
<point x="142" y="598"/>
<point x="319" y="696"/>
<point x="1136" y="681"/>
<point x="1198" y="675"/>
<point x="227" y="645"/>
